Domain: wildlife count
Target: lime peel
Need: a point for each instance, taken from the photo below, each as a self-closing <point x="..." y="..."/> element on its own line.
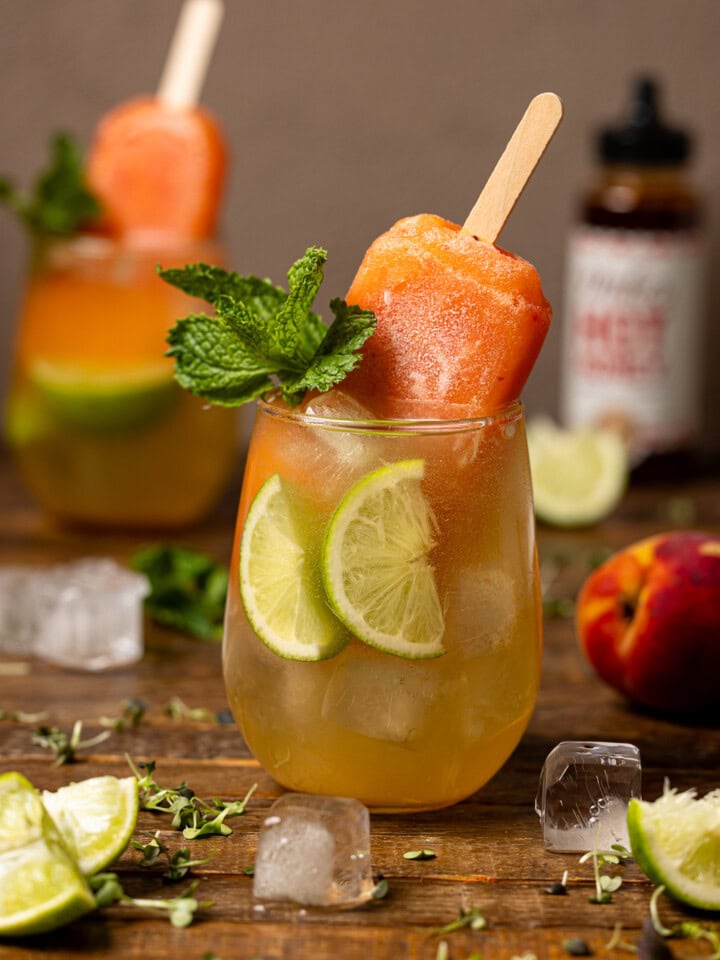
<point x="41" y="886"/>
<point x="280" y="583"/>
<point x="376" y="568"/>
<point x="676" y="842"/>
<point x="579" y="476"/>
<point x="96" y="818"/>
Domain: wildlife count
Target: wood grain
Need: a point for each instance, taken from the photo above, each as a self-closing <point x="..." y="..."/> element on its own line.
<point x="489" y="848"/>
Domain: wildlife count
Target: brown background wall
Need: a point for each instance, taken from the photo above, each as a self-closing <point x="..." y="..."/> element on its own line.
<point x="344" y="116"/>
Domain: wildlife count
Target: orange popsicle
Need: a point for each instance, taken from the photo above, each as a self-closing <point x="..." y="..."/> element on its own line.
<point x="460" y="322"/>
<point x="158" y="170"/>
<point x="157" y="164"/>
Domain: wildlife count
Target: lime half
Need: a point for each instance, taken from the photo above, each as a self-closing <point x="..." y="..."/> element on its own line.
<point x="376" y="563"/>
<point x="280" y="582"/>
<point x="676" y="841"/>
<point x="96" y="818"/>
<point x="578" y="476"/>
<point x="41" y="886"/>
<point x="104" y="400"/>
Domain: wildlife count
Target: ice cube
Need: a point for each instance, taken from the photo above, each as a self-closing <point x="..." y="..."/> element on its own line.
<point x="18" y="609"/>
<point x="315" y="851"/>
<point x="90" y="614"/>
<point x="379" y="697"/>
<point x="584" y="792"/>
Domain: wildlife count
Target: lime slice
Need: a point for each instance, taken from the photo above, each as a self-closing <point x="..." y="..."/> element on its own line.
<point x="376" y="566"/>
<point x="41" y="886"/>
<point x="676" y="841"/>
<point x="105" y="399"/>
<point x="96" y="818"/>
<point x="578" y="476"/>
<point x="280" y="581"/>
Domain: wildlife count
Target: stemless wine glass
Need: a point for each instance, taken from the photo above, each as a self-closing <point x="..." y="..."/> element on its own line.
<point x="394" y="731"/>
<point x="101" y="433"/>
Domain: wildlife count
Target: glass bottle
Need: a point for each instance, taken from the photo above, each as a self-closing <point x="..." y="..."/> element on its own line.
<point x="633" y="304"/>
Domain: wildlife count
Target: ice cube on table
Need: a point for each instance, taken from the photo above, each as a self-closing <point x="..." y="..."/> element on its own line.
<point x="90" y="614"/>
<point x="584" y="792"/>
<point x="18" y="609"/>
<point x="315" y="851"/>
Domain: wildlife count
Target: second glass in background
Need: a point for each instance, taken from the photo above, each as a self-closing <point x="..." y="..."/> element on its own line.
<point x="101" y="433"/>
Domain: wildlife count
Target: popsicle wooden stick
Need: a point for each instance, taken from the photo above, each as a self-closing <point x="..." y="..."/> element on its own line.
<point x="514" y="168"/>
<point x="190" y="51"/>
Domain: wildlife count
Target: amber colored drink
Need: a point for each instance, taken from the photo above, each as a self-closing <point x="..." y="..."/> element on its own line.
<point x="101" y="433"/>
<point x="398" y="733"/>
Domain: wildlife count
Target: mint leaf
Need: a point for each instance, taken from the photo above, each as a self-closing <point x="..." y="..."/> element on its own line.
<point x="262" y="335"/>
<point x="213" y="361"/>
<point x="60" y="203"/>
<point x="337" y="354"/>
<point x="188" y="589"/>
<point x="211" y="283"/>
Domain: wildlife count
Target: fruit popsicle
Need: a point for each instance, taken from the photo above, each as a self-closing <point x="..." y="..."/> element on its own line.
<point x="460" y="322"/>
<point x="157" y="164"/>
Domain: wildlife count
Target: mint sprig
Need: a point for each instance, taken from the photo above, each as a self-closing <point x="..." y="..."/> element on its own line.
<point x="263" y="336"/>
<point x="59" y="203"/>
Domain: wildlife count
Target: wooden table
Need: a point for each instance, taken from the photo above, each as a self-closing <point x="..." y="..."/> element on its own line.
<point x="489" y="848"/>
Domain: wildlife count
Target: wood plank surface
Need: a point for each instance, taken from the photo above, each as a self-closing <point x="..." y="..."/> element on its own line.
<point x="489" y="848"/>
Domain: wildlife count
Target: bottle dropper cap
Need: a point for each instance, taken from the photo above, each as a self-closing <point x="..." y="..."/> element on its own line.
<point x="645" y="139"/>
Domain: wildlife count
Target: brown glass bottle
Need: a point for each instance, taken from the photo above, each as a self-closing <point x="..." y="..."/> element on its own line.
<point x="633" y="304"/>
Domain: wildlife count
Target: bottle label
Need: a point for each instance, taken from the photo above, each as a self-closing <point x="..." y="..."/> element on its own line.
<point x="633" y="304"/>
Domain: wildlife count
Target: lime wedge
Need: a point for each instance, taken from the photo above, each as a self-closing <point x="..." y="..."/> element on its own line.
<point x="105" y="399"/>
<point x="578" y="476"/>
<point x="676" y="842"/>
<point x="376" y="567"/>
<point x="96" y="818"/>
<point x="280" y="581"/>
<point x="41" y="886"/>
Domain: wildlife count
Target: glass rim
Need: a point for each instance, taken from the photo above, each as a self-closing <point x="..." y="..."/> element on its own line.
<point x="510" y="412"/>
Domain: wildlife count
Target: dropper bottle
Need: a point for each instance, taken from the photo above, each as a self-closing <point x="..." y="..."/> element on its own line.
<point x="633" y="304"/>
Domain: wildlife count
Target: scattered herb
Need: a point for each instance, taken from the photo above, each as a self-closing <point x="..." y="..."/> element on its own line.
<point x="471" y="918"/>
<point x="577" y="947"/>
<point x="19" y="716"/>
<point x="263" y="336"/>
<point x="59" y="203"/>
<point x="63" y="746"/>
<point x="689" y="929"/>
<point x="605" y="885"/>
<point x="178" y="710"/>
<point x="419" y="855"/>
<point x="195" y="817"/>
<point x="188" y="589"/>
<point x="380" y="890"/>
<point x="179" y="862"/>
<point x="559" y="887"/>
<point x="617" y="943"/>
<point x="133" y="711"/>
<point x="249" y="871"/>
<point x="180" y="910"/>
<point x="151" y="850"/>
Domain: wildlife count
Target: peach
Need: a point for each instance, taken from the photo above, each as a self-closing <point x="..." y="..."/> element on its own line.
<point x="648" y="620"/>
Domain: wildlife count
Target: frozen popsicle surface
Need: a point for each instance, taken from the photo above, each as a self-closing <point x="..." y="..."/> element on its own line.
<point x="460" y="322"/>
<point x="158" y="170"/>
